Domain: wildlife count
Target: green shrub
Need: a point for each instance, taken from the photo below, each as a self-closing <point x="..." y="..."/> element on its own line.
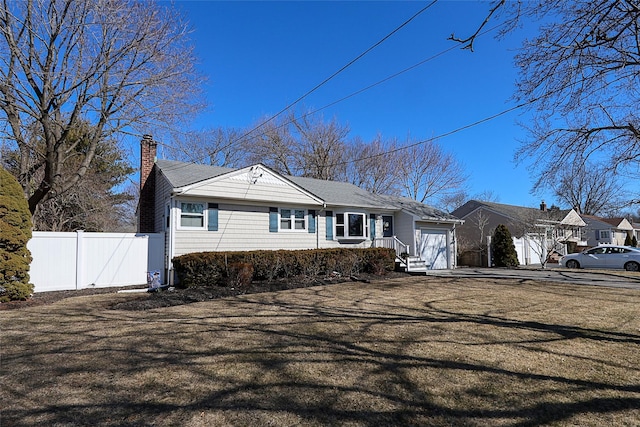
<point x="220" y="268"/>
<point x="15" y="232"/>
<point x="502" y="248"/>
<point x="627" y="241"/>
<point x="634" y="242"/>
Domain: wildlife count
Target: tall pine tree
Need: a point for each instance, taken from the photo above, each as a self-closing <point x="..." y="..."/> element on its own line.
<point x="502" y="248"/>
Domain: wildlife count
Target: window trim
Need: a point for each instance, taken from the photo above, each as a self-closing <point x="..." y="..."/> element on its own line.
<point x="345" y="224"/>
<point x="202" y="215"/>
<point x="207" y="211"/>
<point x="293" y="220"/>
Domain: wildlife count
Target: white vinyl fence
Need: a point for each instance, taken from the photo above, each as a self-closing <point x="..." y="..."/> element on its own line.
<point x="67" y="261"/>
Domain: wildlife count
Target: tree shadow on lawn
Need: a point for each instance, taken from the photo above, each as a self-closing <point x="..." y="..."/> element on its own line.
<point x="305" y="359"/>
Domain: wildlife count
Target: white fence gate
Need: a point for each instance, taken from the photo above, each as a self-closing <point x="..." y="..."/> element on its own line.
<point x="67" y="261"/>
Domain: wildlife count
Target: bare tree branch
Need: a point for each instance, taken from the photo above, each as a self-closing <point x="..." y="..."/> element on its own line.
<point x="114" y="64"/>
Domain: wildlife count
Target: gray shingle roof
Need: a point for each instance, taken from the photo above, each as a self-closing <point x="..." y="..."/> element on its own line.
<point x="180" y="174"/>
<point x="519" y="213"/>
<point x="334" y="193"/>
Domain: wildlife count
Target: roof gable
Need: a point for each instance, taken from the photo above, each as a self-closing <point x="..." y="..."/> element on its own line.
<point x="252" y="183"/>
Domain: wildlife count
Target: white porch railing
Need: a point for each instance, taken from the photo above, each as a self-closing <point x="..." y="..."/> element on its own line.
<point x="392" y="243"/>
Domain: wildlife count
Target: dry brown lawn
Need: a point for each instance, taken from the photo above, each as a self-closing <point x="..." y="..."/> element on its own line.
<point x="416" y="351"/>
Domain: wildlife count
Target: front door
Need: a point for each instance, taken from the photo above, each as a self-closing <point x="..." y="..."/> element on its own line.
<point x="387" y="226"/>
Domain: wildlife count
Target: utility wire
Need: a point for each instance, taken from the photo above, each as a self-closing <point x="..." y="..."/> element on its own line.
<point x="325" y="81"/>
<point x="446" y="134"/>
<point x="366" y="88"/>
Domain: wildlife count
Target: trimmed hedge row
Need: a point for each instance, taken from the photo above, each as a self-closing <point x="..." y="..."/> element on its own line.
<point x="221" y="268"/>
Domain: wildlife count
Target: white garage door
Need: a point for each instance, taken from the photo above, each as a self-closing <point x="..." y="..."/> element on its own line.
<point x="432" y="248"/>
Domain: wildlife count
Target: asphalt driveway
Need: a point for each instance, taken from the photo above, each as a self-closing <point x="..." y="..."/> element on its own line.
<point x="610" y="278"/>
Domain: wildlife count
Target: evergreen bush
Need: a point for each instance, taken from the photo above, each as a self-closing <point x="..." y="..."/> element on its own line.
<point x="15" y="232"/>
<point x="502" y="248"/>
<point x="634" y="242"/>
<point x="220" y="268"/>
<point x="627" y="241"/>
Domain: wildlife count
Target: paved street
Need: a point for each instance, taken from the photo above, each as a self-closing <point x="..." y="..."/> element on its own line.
<point x="611" y="278"/>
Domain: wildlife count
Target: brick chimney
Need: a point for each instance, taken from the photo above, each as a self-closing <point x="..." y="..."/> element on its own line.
<point x="543" y="206"/>
<point x="146" y="205"/>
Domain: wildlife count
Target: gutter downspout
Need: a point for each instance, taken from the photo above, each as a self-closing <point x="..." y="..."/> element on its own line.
<point x="324" y="207"/>
<point x="454" y="263"/>
<point x="172" y="241"/>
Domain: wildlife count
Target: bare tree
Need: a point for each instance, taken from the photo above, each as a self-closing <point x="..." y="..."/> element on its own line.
<point x="588" y="188"/>
<point x="373" y="165"/>
<point x="299" y="146"/>
<point x="272" y="144"/>
<point x="428" y="173"/>
<point x="320" y="152"/>
<point x="216" y="146"/>
<point x="580" y="78"/>
<point x="119" y="65"/>
<point x="453" y="201"/>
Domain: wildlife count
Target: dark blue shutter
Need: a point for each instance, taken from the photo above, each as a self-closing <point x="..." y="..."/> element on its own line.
<point x="329" y="222"/>
<point x="312" y="221"/>
<point x="212" y="212"/>
<point x="273" y="220"/>
<point x="372" y="226"/>
<point x="597" y="234"/>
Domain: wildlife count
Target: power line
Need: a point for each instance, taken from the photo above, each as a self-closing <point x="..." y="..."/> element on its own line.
<point x="350" y="63"/>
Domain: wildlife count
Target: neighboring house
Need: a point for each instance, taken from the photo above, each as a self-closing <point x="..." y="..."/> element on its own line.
<point x="208" y="208"/>
<point x="636" y="230"/>
<point x="536" y="232"/>
<point x="600" y="231"/>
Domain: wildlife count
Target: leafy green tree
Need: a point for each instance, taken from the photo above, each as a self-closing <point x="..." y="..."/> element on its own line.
<point x="15" y="232"/>
<point x="502" y="248"/>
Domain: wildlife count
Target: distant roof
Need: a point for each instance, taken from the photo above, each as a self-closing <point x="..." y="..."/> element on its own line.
<point x="511" y="211"/>
<point x="180" y="174"/>
<point x="604" y="222"/>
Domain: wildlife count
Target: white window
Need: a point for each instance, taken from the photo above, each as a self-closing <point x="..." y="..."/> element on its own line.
<point x="192" y="214"/>
<point x="605" y="234"/>
<point x="293" y="219"/>
<point x="350" y="225"/>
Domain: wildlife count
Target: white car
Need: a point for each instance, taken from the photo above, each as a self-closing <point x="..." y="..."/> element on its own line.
<point x="604" y="256"/>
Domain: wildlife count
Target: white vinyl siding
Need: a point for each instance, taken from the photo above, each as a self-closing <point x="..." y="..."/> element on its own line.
<point x="241" y="228"/>
<point x="244" y="228"/>
<point x="240" y="186"/>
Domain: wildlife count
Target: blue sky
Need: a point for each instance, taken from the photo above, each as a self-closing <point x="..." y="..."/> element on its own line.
<point x="261" y="56"/>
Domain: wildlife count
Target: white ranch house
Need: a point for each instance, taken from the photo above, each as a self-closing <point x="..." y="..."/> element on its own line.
<point x="208" y="208"/>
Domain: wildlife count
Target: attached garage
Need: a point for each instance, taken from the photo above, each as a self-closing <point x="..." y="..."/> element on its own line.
<point x="432" y="247"/>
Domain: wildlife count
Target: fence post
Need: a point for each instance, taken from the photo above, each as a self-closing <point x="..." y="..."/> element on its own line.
<point x="79" y="258"/>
